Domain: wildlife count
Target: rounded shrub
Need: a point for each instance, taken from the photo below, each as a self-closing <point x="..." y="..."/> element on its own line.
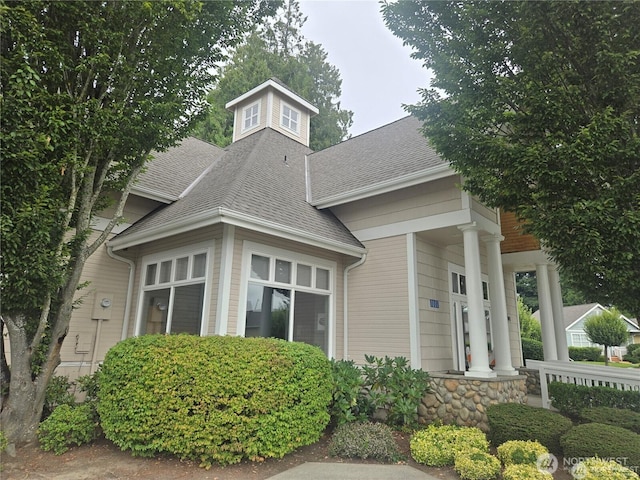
<point x="475" y="464"/>
<point x="612" y="416"/>
<point x="365" y="440"/>
<point x="521" y="471"/>
<point x="515" y="421"/>
<point x="532" y="349"/>
<point x="67" y="425"/>
<point x="521" y="452"/>
<point x="604" y="441"/>
<point x="437" y="445"/>
<point x="213" y="399"/>
<point x="599" y="469"/>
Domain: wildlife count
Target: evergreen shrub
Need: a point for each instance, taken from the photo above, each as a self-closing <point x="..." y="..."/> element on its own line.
<point x="365" y="440"/>
<point x="475" y="464"/>
<point x="532" y="349"/>
<point x="590" y="354"/>
<point x="67" y="425"/>
<point x="619" y="417"/>
<point x="521" y="452"/>
<point x="571" y="399"/>
<point x="437" y="445"/>
<point x="515" y="421"/>
<point x="348" y="402"/>
<point x="633" y="353"/>
<point x="599" y="469"/>
<point x="214" y="399"/>
<point x="521" y="471"/>
<point x="603" y="441"/>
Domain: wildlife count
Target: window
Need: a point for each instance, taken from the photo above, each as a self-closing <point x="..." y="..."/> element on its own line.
<point x="290" y="118"/>
<point x="251" y="116"/>
<point x="580" y="340"/>
<point x="287" y="296"/>
<point x="173" y="292"/>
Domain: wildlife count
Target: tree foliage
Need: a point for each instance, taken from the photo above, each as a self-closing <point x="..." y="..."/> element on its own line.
<point x="529" y="326"/>
<point x="608" y="329"/>
<point x="279" y="50"/>
<point x="537" y="104"/>
<point x="89" y="89"/>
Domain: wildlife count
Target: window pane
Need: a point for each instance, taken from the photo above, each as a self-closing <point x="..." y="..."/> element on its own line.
<point x="485" y="290"/>
<point x="304" y="275"/>
<point x="199" y="265"/>
<point x="454" y="282"/>
<point x="283" y="271"/>
<point x="310" y="324"/>
<point x="155" y="311"/>
<point x="165" y="272"/>
<point x="322" y="278"/>
<point x="182" y="268"/>
<point x="259" y="267"/>
<point x="150" y="277"/>
<point x="187" y="309"/>
<point x="267" y="312"/>
<point x="463" y="285"/>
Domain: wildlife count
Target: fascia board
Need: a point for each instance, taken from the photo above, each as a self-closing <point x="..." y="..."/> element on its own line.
<point x="398" y="183"/>
<point x="276" y="86"/>
<point x="221" y="215"/>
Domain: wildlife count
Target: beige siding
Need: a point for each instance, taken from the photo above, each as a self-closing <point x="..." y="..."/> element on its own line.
<point x="488" y="213"/>
<point x="420" y="201"/>
<point x="239" y="115"/>
<point x="378" y="320"/>
<point x="302" y="136"/>
<point x="135" y="208"/>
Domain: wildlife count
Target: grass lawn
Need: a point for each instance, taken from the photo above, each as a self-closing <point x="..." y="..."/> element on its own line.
<point x="613" y="364"/>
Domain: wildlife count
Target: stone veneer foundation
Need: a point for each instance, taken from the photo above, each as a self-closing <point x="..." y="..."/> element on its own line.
<point x="457" y="399"/>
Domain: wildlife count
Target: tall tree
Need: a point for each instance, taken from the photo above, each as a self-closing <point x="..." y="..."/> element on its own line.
<point x="537" y="104"/>
<point x="89" y="89"/>
<point x="608" y="329"/>
<point x="279" y="50"/>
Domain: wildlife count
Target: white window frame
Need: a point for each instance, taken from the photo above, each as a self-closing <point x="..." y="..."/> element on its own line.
<point x="274" y="253"/>
<point x="172" y="255"/>
<point x="287" y="125"/>
<point x="582" y="340"/>
<point x="245" y="115"/>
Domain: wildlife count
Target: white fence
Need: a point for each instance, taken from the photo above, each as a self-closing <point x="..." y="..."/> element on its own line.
<point x="581" y="374"/>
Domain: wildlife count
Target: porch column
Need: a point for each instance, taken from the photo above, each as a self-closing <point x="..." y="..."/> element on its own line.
<point x="477" y="324"/>
<point x="546" y="313"/>
<point x="558" y="314"/>
<point x="499" y="323"/>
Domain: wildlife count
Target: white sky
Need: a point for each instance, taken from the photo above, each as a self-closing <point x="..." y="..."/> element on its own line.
<point x="378" y="74"/>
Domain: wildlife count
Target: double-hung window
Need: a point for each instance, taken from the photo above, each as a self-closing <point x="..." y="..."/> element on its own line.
<point x="251" y="116"/>
<point x="173" y="292"/>
<point x="290" y="118"/>
<point x="287" y="296"/>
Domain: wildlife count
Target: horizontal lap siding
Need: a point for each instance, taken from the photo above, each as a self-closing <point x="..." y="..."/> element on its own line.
<point x="378" y="319"/>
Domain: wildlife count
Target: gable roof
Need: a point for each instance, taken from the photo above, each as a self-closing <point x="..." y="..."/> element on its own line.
<point x="574" y="313"/>
<point x="169" y="174"/>
<point x="259" y="183"/>
<point x="391" y="157"/>
<point x="280" y="87"/>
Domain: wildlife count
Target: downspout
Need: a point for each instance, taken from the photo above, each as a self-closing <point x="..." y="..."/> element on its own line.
<point x="127" y="304"/>
<point x="345" y="302"/>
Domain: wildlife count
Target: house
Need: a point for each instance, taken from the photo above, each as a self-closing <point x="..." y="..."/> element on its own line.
<point x="574" y="318"/>
<point x="366" y="247"/>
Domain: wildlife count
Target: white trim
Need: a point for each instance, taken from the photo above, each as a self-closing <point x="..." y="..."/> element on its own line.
<point x="129" y="297"/>
<point x="307" y="179"/>
<point x="390" y="185"/>
<point x="414" y="302"/>
<point x="275" y="86"/>
<point x="153" y="194"/>
<point x="243" y="128"/>
<point x="269" y="122"/>
<point x="100" y="223"/>
<point x="222" y="215"/>
<point x="224" y="279"/>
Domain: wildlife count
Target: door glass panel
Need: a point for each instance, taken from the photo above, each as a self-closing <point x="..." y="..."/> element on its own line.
<point x="187" y="309"/>
<point x="267" y="312"/>
<point x="155" y="310"/>
<point x="311" y="317"/>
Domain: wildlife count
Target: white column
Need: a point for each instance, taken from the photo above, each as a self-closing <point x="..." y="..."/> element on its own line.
<point x="477" y="326"/>
<point x="546" y="313"/>
<point x="499" y="323"/>
<point x="558" y="314"/>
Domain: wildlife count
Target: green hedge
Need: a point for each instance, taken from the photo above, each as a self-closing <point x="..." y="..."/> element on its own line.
<point x="590" y="354"/>
<point x="612" y="416"/>
<point x="571" y="399"/>
<point x="532" y="349"/>
<point x="633" y="353"/>
<point x="515" y="421"/>
<point x="603" y="441"/>
<point x="215" y="399"/>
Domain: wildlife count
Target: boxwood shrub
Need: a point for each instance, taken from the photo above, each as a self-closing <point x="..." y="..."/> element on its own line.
<point x="515" y="421"/>
<point x="365" y="440"/>
<point x="213" y="399"/>
<point x="66" y="426"/>
<point x="521" y="452"/>
<point x="475" y="464"/>
<point x="521" y="471"/>
<point x="612" y="416"/>
<point x="437" y="445"/>
<point x="591" y="354"/>
<point x="603" y="441"/>
<point x="633" y="353"/>
<point x="570" y="399"/>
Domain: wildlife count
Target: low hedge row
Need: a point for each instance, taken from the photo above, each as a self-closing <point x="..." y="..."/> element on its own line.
<point x="214" y="399"/>
<point x="532" y="349"/>
<point x="590" y="354"/>
<point x="612" y="416"/>
<point x="571" y="399"/>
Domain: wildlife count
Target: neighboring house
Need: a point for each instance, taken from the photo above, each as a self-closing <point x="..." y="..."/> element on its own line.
<point x="576" y="315"/>
<point x="367" y="247"/>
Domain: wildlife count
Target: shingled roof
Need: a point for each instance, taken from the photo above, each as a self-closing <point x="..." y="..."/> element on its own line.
<point x="260" y="180"/>
<point x="391" y="154"/>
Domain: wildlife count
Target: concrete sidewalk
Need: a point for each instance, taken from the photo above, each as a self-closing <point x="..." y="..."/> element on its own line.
<point x="351" y="471"/>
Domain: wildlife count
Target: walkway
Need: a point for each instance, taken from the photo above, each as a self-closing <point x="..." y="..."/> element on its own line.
<point x="352" y="471"/>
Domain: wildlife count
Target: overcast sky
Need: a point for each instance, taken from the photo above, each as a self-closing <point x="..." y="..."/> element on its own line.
<point x="378" y="74"/>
